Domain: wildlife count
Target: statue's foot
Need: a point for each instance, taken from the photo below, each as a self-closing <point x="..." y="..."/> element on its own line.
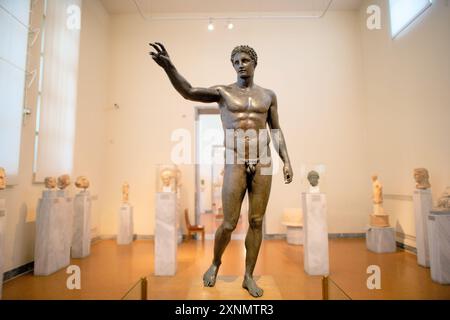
<point x="209" y="278"/>
<point x="252" y="287"/>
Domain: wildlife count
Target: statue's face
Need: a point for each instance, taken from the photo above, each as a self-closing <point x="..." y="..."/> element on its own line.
<point x="63" y="182"/>
<point x="82" y="183"/>
<point x="166" y="177"/>
<point x="50" y="183"/>
<point x="313" y="180"/>
<point x="243" y="64"/>
<point x="419" y="176"/>
<point x="2" y="179"/>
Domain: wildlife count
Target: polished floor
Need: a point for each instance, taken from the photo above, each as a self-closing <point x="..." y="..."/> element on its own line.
<point x="110" y="271"/>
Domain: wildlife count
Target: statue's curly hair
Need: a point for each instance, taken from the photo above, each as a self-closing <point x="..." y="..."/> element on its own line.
<point x="248" y="50"/>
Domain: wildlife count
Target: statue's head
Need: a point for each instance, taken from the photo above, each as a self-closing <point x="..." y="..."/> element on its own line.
<point x="374" y="177"/>
<point x="166" y="177"/>
<point x="421" y="176"/>
<point x="82" y="183"/>
<point x="50" y="183"/>
<point x="63" y="181"/>
<point x="2" y="178"/>
<point x="244" y="60"/>
<point x="313" y="178"/>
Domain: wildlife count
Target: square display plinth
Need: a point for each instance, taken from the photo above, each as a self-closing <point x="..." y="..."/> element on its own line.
<point x="380" y="240"/>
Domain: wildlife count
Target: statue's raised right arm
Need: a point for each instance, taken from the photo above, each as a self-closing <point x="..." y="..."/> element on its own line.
<point x="162" y="58"/>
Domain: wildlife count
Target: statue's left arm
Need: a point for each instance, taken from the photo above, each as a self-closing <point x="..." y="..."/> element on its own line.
<point x="278" y="139"/>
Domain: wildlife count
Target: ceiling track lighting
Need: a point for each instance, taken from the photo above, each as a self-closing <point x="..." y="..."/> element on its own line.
<point x="210" y="25"/>
<point x="240" y="17"/>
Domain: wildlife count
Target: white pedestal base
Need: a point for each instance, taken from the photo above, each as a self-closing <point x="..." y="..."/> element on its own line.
<point x="294" y="235"/>
<point x="422" y="206"/>
<point x="166" y="234"/>
<point x="381" y="240"/>
<point x="2" y="237"/>
<point x="439" y="236"/>
<point x="81" y="240"/>
<point x="125" y="232"/>
<point x="316" y="260"/>
<point x="52" y="251"/>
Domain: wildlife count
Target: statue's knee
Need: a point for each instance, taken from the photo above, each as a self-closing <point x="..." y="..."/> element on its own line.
<point x="229" y="226"/>
<point x="256" y="223"/>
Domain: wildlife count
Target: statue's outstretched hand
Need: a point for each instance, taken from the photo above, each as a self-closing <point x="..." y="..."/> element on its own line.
<point x="288" y="173"/>
<point x="161" y="56"/>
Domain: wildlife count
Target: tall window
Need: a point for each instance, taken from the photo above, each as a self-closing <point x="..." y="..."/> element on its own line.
<point x="404" y="12"/>
<point x="14" y="27"/>
<point x="58" y="76"/>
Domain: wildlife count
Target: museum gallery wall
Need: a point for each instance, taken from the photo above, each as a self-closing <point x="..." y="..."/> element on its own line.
<point x="351" y="100"/>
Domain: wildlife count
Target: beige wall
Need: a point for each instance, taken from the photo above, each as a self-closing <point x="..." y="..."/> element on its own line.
<point x="314" y="66"/>
<point x="21" y="200"/>
<point x="408" y="106"/>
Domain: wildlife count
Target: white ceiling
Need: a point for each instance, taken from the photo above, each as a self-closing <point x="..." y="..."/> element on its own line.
<point x="224" y="6"/>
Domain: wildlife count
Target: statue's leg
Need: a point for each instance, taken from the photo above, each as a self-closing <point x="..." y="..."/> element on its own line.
<point x="233" y="192"/>
<point x="259" y="190"/>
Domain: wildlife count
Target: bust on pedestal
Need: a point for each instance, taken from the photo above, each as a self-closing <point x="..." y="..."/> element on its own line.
<point x="422" y="205"/>
<point x="166" y="226"/>
<point x="125" y="232"/>
<point x="380" y="237"/>
<point x="316" y="257"/>
<point x="2" y="224"/>
<point x="52" y="252"/>
<point x="81" y="240"/>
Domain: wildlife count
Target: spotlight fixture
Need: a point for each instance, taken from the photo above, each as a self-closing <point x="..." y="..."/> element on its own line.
<point x="210" y="25"/>
<point x="230" y="25"/>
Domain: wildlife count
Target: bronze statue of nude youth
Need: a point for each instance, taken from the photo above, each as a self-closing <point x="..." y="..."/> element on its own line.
<point x="244" y="106"/>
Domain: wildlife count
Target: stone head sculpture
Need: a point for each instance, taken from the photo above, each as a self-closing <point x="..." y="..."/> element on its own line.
<point x="82" y="183"/>
<point x="421" y="176"/>
<point x="125" y="192"/>
<point x="313" y="178"/>
<point x="63" y="181"/>
<point x="166" y="177"/>
<point x="2" y="178"/>
<point x="50" y="183"/>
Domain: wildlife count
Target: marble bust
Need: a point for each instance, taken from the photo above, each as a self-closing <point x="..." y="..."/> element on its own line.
<point x="167" y="177"/>
<point x="50" y="183"/>
<point x="63" y="182"/>
<point x="2" y="179"/>
<point x="421" y="176"/>
<point x="313" y="178"/>
<point x="125" y="192"/>
<point x="82" y="183"/>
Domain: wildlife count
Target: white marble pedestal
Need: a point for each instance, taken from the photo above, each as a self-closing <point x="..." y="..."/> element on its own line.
<point x="439" y="241"/>
<point x="166" y="234"/>
<point x="2" y="237"/>
<point x="51" y="252"/>
<point x="422" y="206"/>
<point x="125" y="230"/>
<point x="81" y="240"/>
<point x="316" y="260"/>
<point x="66" y="203"/>
<point x="294" y="234"/>
<point x="381" y="239"/>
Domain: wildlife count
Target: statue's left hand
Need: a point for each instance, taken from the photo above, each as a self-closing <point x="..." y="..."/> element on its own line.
<point x="288" y="173"/>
